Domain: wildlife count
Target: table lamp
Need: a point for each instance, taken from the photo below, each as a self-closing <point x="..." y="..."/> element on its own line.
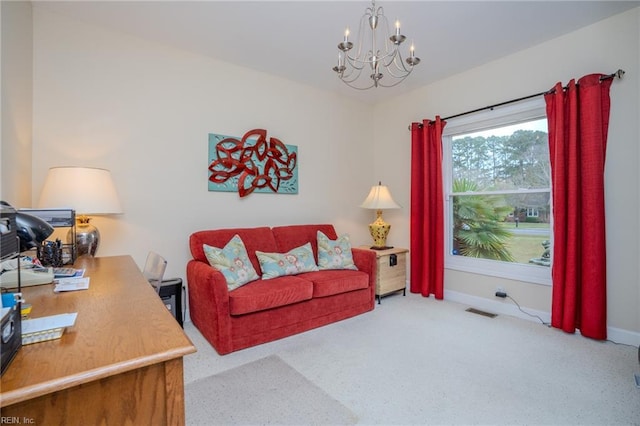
<point x="379" y="198"/>
<point x="87" y="190"/>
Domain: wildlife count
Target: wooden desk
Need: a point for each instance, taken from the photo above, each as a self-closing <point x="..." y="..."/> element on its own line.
<point x="121" y="363"/>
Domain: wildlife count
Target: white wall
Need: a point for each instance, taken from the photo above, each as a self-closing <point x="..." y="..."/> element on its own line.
<point x="16" y="68"/>
<point x="144" y="111"/>
<point x="603" y="47"/>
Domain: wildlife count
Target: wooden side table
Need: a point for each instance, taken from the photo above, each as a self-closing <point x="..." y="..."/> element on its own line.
<point x="391" y="274"/>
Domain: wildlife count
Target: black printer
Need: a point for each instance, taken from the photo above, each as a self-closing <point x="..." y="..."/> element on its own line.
<point x="11" y="325"/>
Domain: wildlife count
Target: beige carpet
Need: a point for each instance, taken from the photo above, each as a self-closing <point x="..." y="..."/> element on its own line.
<point x="419" y="361"/>
<point x="243" y="395"/>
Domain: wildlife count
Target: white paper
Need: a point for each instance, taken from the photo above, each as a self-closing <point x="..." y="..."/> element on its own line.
<point x="71" y="284"/>
<point x="48" y="323"/>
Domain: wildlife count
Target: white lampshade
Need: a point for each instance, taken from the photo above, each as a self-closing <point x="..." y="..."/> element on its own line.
<point x="379" y="198"/>
<point x="88" y="191"/>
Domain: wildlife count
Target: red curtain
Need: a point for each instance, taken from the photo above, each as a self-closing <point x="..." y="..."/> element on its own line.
<point x="427" y="209"/>
<point x="578" y="118"/>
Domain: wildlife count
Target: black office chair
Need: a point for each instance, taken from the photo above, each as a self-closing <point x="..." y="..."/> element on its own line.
<point x="170" y="290"/>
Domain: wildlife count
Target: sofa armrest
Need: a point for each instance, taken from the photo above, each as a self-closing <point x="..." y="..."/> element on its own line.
<point x="209" y="303"/>
<point x="365" y="261"/>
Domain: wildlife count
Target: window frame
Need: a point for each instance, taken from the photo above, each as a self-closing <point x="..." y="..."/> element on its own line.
<point x="523" y="111"/>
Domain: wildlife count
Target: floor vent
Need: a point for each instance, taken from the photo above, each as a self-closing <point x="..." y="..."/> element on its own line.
<point x="483" y="313"/>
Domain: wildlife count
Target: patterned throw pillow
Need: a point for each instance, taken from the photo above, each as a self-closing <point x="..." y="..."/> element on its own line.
<point x="334" y="254"/>
<point x="233" y="261"/>
<point x="297" y="261"/>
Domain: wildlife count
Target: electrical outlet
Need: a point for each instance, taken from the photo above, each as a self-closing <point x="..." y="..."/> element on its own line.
<point x="501" y="292"/>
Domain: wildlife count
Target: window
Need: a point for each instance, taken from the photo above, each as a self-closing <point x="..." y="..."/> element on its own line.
<point x="498" y="197"/>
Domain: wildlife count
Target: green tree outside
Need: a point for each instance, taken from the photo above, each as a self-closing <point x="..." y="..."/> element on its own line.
<point x="478" y="229"/>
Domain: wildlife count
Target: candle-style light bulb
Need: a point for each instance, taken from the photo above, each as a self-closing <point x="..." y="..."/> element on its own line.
<point x="397" y="27"/>
<point x="346" y="35"/>
<point x="412" y="50"/>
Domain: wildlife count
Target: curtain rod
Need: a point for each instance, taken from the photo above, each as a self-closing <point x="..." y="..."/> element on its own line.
<point x="618" y="74"/>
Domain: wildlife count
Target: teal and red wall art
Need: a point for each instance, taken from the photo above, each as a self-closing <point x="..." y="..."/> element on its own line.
<point x="253" y="163"/>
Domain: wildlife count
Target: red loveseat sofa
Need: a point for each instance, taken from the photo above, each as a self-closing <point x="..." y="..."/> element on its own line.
<point x="266" y="310"/>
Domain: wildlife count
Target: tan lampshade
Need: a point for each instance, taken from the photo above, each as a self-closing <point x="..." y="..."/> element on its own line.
<point x="86" y="190"/>
<point x="379" y="198"/>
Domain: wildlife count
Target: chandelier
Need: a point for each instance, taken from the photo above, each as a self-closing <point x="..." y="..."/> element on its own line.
<point x="382" y="58"/>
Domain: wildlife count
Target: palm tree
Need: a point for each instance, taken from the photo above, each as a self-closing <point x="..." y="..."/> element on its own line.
<point x="477" y="224"/>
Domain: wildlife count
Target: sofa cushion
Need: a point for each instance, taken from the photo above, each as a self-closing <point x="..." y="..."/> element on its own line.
<point x="254" y="239"/>
<point x="266" y="294"/>
<point x="334" y="254"/>
<point x="330" y="282"/>
<point x="233" y="261"/>
<point x="295" y="261"/>
<point x="288" y="237"/>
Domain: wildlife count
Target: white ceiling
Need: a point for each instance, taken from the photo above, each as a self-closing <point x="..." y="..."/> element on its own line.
<point x="298" y="40"/>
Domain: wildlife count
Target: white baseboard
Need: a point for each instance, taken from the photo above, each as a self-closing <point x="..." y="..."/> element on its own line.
<point x="508" y="307"/>
<point x="620" y="335"/>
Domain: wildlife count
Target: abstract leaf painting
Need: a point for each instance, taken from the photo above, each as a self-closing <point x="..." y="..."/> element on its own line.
<point x="253" y="163"/>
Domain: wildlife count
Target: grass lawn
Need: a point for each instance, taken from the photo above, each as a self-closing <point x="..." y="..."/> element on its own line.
<point x="525" y="247"/>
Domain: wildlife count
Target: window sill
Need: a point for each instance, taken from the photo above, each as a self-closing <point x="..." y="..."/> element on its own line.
<point x="515" y="271"/>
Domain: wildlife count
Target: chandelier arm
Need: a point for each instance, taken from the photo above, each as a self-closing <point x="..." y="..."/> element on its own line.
<point x="395" y="83"/>
<point x="351" y="81"/>
<point x="368" y="61"/>
<point x="402" y="75"/>
<point x="387" y="38"/>
<point x="355" y="63"/>
<point x="359" y="88"/>
<point x="402" y="68"/>
<point x="371" y="10"/>
<point x="355" y="72"/>
<point x="363" y="23"/>
<point x="393" y="63"/>
<point x="388" y="54"/>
